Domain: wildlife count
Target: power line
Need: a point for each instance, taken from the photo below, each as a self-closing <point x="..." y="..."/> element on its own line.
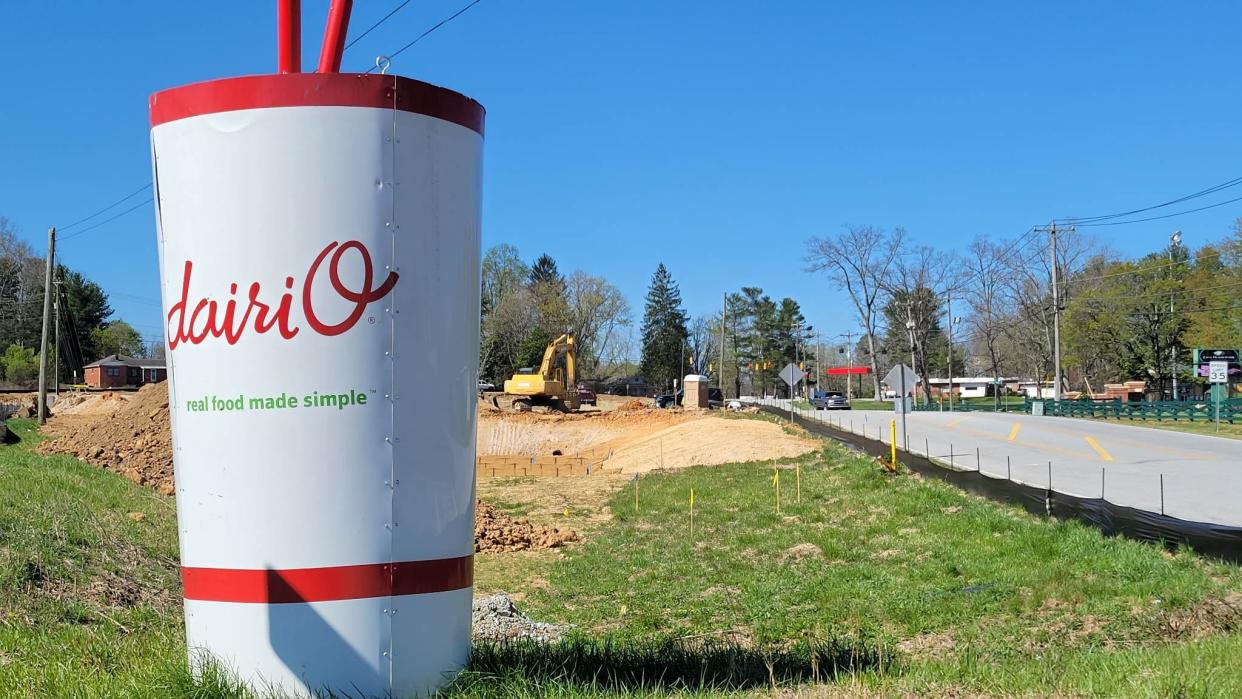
<point x="1222" y="246"/>
<point x="1157" y="218"/>
<point x="1158" y="295"/>
<point x="1201" y="193"/>
<point x="118" y="202"/>
<point x="434" y="27"/>
<point x="110" y="219"/>
<point x="383" y="19"/>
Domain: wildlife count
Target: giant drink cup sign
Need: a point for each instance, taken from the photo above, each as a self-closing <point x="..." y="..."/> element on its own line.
<point x="319" y="249"/>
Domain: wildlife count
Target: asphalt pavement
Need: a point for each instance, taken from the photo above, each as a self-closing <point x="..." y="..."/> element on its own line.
<point x="1189" y="476"/>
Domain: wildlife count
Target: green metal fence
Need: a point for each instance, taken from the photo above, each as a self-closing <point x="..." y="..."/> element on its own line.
<point x="1006" y="406"/>
<point x="1190" y="411"/>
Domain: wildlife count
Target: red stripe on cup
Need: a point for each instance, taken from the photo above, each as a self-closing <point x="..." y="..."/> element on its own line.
<point x="295" y="585"/>
<point x="316" y="90"/>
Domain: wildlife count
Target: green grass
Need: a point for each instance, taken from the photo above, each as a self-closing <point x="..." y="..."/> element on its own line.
<point x="916" y="590"/>
<point x="89" y="598"/>
<point x="978" y="595"/>
<point x="1198" y="427"/>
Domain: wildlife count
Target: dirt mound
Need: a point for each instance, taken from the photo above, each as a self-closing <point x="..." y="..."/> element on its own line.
<point x="632" y="405"/>
<point x="91" y="403"/>
<point x="134" y="440"/>
<point x="800" y="552"/>
<point x="671" y="439"/>
<point x="495" y="532"/>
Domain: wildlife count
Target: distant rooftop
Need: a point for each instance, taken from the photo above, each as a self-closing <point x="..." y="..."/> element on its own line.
<point x="122" y="360"/>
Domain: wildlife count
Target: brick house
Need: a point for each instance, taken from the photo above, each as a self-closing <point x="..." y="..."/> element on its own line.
<point x="117" y="370"/>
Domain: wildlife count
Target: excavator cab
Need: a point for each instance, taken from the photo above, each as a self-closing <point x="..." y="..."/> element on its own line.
<point x="552" y="386"/>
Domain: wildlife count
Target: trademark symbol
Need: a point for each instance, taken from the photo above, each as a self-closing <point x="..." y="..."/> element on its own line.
<point x="371" y="320"/>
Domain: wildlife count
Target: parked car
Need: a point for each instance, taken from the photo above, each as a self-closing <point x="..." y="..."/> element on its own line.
<point x="586" y="396"/>
<point x="715" y="398"/>
<point x="830" y="400"/>
<point x="486" y="386"/>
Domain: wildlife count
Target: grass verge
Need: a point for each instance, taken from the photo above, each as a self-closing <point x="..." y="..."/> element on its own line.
<point x="862" y="584"/>
<point x="1204" y="428"/>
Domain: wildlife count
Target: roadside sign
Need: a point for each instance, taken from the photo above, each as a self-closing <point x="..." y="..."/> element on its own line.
<point x="1218" y="372"/>
<point x="1217" y="355"/>
<point x="791" y="374"/>
<point x="901" y="378"/>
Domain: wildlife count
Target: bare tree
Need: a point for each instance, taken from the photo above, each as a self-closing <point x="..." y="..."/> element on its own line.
<point x="1029" y="293"/>
<point x="859" y="259"/>
<point x="915" y="291"/>
<point x="985" y="298"/>
<point x="597" y="312"/>
<point x="704" y="343"/>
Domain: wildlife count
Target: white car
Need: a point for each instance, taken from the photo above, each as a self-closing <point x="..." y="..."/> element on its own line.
<point x="485" y="386"/>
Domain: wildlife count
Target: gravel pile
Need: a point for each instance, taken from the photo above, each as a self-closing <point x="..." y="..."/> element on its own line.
<point x="496" y="619"/>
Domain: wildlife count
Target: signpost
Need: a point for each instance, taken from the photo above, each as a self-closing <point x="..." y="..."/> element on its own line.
<point x="791" y="375"/>
<point x="1218" y="373"/>
<point x="1217" y="365"/>
<point x="899" y="378"/>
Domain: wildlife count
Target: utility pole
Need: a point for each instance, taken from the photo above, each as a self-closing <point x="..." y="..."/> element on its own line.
<point x="1174" y="241"/>
<point x="56" y="323"/>
<point x="849" y="363"/>
<point x="47" y="318"/>
<point x="1056" y="316"/>
<point x="910" y="330"/>
<point x="949" y="307"/>
<point x="724" y="313"/>
<point x="818" y="371"/>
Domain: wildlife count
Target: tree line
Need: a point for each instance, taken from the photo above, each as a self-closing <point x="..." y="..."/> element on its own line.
<point x="1121" y="319"/>
<point x="742" y="349"/>
<point x="525" y="306"/>
<point x="87" y="330"/>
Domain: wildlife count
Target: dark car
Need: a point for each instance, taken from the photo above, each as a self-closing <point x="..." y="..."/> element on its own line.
<point x="830" y="400"/>
<point x="715" y="398"/>
<point x="586" y="396"/>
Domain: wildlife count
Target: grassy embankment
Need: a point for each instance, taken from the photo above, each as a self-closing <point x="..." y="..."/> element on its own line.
<point x="1198" y="427"/>
<point x="903" y="585"/>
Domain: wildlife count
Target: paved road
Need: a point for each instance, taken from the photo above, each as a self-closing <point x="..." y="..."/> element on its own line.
<point x="1202" y="474"/>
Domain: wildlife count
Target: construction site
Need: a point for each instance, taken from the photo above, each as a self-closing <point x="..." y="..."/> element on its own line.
<point x="128" y="433"/>
<point x="481" y="350"/>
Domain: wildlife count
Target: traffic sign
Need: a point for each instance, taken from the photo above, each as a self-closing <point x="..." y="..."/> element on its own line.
<point x="901" y="378"/>
<point x="1218" y="372"/>
<point x="791" y="374"/>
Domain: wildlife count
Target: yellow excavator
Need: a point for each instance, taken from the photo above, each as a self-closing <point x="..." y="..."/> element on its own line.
<point x="554" y="386"/>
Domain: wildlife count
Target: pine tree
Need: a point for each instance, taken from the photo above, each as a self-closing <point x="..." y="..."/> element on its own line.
<point x="544" y="271"/>
<point x="663" y="331"/>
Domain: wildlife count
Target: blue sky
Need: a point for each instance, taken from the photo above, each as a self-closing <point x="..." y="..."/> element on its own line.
<point x="713" y="136"/>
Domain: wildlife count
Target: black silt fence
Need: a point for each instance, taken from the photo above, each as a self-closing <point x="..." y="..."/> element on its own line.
<point x="1216" y="540"/>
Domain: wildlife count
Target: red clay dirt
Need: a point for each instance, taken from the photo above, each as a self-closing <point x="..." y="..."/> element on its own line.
<point x="134" y="440"/>
<point x="131" y="436"/>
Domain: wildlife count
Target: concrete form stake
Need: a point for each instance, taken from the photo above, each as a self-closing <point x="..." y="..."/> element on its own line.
<point x="1008" y="468"/>
<point x="978" y="459"/>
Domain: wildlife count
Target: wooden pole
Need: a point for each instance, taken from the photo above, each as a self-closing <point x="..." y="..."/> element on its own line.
<point x="47" y="318"/>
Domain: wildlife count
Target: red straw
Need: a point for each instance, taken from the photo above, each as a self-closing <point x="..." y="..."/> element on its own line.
<point x="289" y="36"/>
<point x="334" y="36"/>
